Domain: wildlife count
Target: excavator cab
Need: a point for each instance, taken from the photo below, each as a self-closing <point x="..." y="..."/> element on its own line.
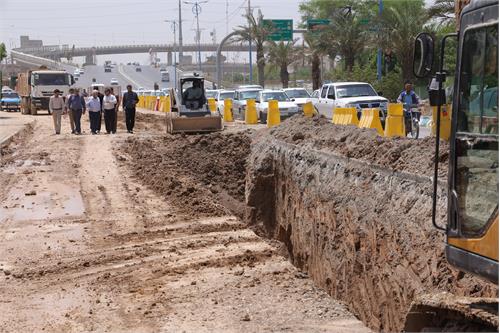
<point x="190" y="112"/>
<point x="473" y="175"/>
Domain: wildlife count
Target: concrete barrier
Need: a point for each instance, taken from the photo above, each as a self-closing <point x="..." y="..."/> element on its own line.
<point x="273" y="113"/>
<point x="370" y="119"/>
<point x="308" y="109"/>
<point x="251" y="113"/>
<point x="212" y="106"/>
<point x="395" y="121"/>
<point x="228" y="112"/>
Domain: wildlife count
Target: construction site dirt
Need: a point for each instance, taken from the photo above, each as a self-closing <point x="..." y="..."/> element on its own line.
<point x="89" y="243"/>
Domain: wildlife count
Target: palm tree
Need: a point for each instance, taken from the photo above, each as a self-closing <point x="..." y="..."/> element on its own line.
<point x="442" y="10"/>
<point x="282" y="54"/>
<point x="402" y="20"/>
<point x="315" y="50"/>
<point x="257" y="32"/>
<point x="3" y="51"/>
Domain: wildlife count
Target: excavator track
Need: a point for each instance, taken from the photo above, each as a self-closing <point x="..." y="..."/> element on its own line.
<point x="444" y="312"/>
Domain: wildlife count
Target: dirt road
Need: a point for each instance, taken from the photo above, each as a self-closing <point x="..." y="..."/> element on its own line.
<point x="85" y="247"/>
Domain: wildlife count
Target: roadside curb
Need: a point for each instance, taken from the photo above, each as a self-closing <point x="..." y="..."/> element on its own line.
<point x="23" y="130"/>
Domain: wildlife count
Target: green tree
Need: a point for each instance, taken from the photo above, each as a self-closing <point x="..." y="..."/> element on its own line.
<point x="282" y="54"/>
<point x="442" y="10"/>
<point x="3" y="52"/>
<point x="400" y="23"/>
<point x="257" y="32"/>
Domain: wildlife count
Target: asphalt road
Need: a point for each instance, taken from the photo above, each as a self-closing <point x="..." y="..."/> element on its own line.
<point x="125" y="75"/>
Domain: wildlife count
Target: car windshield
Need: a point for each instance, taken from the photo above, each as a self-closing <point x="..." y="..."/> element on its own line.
<point x="249" y="94"/>
<point x="276" y="95"/>
<point x="51" y="79"/>
<point x="355" y="90"/>
<point x="210" y="93"/>
<point x="297" y="93"/>
<point x="10" y="95"/>
<point x="225" y="95"/>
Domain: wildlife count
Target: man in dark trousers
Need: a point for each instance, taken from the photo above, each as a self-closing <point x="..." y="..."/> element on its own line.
<point x="130" y="99"/>
<point x="76" y="105"/>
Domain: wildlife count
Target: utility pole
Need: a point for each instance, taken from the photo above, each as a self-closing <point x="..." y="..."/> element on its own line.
<point x="379" y="51"/>
<point x="250" y="45"/>
<point x="174" y="24"/>
<point x="180" y="32"/>
<point x="196" y="11"/>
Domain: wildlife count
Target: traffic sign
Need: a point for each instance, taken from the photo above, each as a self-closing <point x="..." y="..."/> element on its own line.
<point x="280" y="30"/>
<point x="316" y="25"/>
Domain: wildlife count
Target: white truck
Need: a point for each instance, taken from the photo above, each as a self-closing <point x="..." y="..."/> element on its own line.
<point x="360" y="95"/>
<point x="36" y="87"/>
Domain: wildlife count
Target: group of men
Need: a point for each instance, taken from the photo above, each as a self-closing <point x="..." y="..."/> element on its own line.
<point x="75" y="105"/>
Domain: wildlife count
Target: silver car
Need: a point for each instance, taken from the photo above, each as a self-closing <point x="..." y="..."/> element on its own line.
<point x="240" y="100"/>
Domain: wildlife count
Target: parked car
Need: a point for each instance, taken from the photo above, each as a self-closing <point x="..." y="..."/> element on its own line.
<point x="360" y="95"/>
<point x="10" y="101"/>
<point x="138" y="69"/>
<point x="286" y="107"/>
<point x="113" y="82"/>
<point x="298" y="95"/>
<point x="221" y="96"/>
<point x="211" y="93"/>
<point x="240" y="100"/>
<point x="314" y="97"/>
<point x="250" y="86"/>
<point x="82" y="71"/>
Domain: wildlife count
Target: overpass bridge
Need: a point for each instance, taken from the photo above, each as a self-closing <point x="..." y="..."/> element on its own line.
<point x="58" y="52"/>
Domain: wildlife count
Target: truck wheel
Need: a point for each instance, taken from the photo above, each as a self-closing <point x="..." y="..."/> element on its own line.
<point x="33" y="109"/>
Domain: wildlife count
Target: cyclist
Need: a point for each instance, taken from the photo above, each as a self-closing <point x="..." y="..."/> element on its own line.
<point x="408" y="97"/>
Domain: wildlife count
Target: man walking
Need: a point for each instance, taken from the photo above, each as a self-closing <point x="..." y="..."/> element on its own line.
<point x="56" y="107"/>
<point x="117" y="105"/>
<point x="76" y="105"/>
<point x="109" y="105"/>
<point x="94" y="107"/>
<point x="130" y="99"/>
<point x="68" y="111"/>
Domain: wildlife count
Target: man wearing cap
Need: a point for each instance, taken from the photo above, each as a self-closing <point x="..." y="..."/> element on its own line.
<point x="56" y="107"/>
<point x="94" y="107"/>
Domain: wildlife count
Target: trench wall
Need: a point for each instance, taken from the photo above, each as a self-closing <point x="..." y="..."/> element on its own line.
<point x="362" y="232"/>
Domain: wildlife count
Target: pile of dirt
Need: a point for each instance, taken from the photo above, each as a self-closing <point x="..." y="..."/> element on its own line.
<point x="201" y="175"/>
<point x="402" y="154"/>
<point x="360" y="230"/>
<point x="145" y="122"/>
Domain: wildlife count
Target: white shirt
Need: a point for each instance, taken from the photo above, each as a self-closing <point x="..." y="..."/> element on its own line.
<point x="109" y="102"/>
<point x="56" y="103"/>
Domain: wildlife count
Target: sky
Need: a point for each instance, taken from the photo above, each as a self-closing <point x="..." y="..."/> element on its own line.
<point x="119" y="22"/>
<point x="124" y="22"/>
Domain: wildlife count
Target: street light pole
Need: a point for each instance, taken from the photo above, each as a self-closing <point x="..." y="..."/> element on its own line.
<point x="174" y="24"/>
<point x="197" y="10"/>
<point x="180" y="32"/>
<point x="250" y="77"/>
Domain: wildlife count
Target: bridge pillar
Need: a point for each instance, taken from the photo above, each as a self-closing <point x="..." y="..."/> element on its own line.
<point x="90" y="59"/>
<point x="169" y="58"/>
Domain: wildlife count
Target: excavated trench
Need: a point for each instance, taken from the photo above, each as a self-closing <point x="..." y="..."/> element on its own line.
<point x="352" y="208"/>
<point x="354" y="211"/>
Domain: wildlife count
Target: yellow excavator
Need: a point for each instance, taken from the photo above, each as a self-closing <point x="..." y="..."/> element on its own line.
<point x="190" y="111"/>
<point x="472" y="214"/>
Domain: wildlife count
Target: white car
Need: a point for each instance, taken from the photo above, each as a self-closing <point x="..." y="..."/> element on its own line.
<point x="314" y="97"/>
<point x="82" y="71"/>
<point x="250" y="86"/>
<point x="210" y="93"/>
<point x="113" y="82"/>
<point x="298" y="95"/>
<point x="221" y="96"/>
<point x="240" y="100"/>
<point x="360" y="95"/>
<point x="286" y="107"/>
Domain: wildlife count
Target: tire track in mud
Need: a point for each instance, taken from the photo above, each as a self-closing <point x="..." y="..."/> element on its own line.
<point x="130" y="262"/>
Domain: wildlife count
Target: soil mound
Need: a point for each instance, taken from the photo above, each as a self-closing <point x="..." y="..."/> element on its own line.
<point x="402" y="154"/>
<point x="201" y="175"/>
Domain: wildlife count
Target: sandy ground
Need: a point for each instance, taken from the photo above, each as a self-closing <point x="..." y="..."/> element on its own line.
<point x="84" y="247"/>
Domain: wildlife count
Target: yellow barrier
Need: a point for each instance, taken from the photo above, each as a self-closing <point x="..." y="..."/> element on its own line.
<point x="212" y="105"/>
<point x="338" y="114"/>
<point x="141" y="102"/>
<point x="350" y="117"/>
<point x="228" y="113"/>
<point x="165" y="104"/>
<point x="370" y="119"/>
<point x="251" y="113"/>
<point x="308" y="109"/>
<point x="273" y="113"/>
<point x="395" y="121"/>
<point x="445" y="122"/>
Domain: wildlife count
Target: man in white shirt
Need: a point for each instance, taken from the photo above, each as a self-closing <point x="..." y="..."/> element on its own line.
<point x="109" y="105"/>
<point x="56" y="107"/>
<point x="94" y="108"/>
